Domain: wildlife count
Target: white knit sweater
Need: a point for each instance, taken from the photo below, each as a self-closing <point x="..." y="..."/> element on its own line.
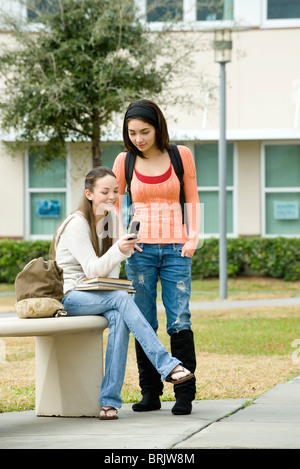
<point x="76" y="256"/>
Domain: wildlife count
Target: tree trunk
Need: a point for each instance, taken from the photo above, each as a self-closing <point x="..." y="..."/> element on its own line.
<point x="96" y="153"/>
<point x="96" y="148"/>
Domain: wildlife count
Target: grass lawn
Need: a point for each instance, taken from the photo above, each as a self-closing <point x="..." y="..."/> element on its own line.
<point x="241" y="353"/>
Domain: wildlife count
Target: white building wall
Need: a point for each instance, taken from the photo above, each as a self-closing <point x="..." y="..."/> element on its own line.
<point x="11" y="195"/>
<point x="249" y="213"/>
<point x="263" y="103"/>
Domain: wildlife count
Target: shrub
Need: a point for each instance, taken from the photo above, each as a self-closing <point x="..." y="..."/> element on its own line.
<point x="268" y="257"/>
<point x="14" y="255"/>
<point x="274" y="257"/>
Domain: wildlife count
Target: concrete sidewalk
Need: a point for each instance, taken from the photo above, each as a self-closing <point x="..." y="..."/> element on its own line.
<point x="271" y="422"/>
<point x="224" y="304"/>
<point x="233" y="304"/>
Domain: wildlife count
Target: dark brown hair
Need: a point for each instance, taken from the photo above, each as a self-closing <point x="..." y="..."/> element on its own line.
<point x="86" y="210"/>
<point x="160" y="125"/>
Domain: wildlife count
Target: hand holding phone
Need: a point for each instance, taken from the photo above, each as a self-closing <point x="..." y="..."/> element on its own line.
<point x="134" y="229"/>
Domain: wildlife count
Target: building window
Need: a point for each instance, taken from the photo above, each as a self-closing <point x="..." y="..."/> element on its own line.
<point x="46" y="197"/>
<point x="164" y="10"/>
<point x="283" y="9"/>
<point x="187" y="10"/>
<point x="215" y="10"/>
<point x="206" y="159"/>
<point x="109" y="153"/>
<point x="281" y="204"/>
<point x="39" y="6"/>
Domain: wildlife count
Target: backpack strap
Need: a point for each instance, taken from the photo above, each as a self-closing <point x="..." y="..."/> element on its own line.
<point x="178" y="168"/>
<point x="129" y="165"/>
<point x="62" y="227"/>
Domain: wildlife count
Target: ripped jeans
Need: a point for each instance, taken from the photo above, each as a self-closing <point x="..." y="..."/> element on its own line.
<point x="162" y="261"/>
<point x="123" y="316"/>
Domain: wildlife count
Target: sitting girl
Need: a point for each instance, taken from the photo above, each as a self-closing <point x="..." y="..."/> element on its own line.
<point x="86" y="245"/>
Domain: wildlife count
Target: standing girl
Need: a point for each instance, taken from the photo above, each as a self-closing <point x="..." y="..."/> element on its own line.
<point x="87" y="245"/>
<point x="165" y="248"/>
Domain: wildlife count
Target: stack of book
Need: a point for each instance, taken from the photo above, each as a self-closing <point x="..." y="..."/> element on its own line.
<point x="105" y="283"/>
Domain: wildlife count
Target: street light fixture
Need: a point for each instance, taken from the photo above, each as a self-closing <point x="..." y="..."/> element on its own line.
<point x="222" y="47"/>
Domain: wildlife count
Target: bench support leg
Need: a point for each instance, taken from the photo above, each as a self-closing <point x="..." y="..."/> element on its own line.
<point x="69" y="372"/>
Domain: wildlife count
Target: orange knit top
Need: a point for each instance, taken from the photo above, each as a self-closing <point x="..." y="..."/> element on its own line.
<point x="157" y="206"/>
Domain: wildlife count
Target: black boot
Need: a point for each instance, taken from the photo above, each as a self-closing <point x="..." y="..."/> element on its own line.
<point x="183" y="405"/>
<point x="149" y="402"/>
<point x="150" y="383"/>
<point x="183" y="348"/>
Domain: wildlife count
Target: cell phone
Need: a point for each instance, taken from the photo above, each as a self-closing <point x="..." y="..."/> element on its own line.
<point x="134" y="229"/>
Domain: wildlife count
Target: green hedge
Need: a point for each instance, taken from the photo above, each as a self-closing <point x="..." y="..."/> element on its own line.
<point x="268" y="257"/>
<point x="14" y="255"/>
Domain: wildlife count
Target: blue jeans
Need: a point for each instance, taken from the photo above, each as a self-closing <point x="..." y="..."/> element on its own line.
<point x="123" y="316"/>
<point x="162" y="261"/>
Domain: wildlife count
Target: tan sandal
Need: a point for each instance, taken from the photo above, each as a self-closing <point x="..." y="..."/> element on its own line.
<point x="107" y="417"/>
<point x="180" y="380"/>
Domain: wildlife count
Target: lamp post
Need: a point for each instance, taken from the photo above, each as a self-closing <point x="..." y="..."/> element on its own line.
<point x="222" y="47"/>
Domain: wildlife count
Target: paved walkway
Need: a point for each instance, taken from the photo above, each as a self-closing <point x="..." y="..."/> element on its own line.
<point x="230" y="304"/>
<point x="226" y="304"/>
<point x="271" y="422"/>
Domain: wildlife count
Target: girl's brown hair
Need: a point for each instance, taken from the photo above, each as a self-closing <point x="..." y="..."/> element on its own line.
<point x="158" y="121"/>
<point x="86" y="210"/>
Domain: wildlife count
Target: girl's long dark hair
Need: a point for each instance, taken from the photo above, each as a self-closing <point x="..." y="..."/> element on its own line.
<point x="160" y="124"/>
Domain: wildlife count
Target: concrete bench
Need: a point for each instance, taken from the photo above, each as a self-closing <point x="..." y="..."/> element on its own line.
<point x="68" y="360"/>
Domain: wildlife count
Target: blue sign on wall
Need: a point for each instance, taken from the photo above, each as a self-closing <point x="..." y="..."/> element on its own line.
<point x="286" y="210"/>
<point x="48" y="208"/>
